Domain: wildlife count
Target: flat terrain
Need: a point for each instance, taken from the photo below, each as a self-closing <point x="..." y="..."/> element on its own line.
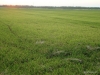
<point x="49" y="41"/>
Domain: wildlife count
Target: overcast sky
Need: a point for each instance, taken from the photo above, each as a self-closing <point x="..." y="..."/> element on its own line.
<point x="87" y="3"/>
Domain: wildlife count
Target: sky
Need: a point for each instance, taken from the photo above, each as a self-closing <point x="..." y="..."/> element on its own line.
<point x="85" y="3"/>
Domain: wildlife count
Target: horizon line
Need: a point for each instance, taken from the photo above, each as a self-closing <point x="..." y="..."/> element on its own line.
<point x="47" y="6"/>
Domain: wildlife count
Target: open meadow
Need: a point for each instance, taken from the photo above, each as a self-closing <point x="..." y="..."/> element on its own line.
<point x="37" y="41"/>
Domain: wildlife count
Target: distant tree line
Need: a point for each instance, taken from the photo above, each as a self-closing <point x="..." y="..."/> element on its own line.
<point x="49" y="7"/>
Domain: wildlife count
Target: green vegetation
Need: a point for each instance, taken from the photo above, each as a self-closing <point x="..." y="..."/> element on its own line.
<point x="40" y="41"/>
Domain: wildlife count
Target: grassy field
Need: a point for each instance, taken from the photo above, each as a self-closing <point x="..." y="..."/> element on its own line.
<point x="49" y="42"/>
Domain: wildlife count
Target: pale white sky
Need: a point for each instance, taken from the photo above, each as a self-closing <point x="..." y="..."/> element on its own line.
<point x="88" y="3"/>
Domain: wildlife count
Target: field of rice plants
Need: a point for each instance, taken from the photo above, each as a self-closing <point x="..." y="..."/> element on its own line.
<point x="37" y="41"/>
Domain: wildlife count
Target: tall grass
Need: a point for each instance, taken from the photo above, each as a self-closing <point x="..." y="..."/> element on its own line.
<point x="49" y="42"/>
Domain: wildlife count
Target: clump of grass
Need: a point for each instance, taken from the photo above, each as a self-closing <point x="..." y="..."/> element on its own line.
<point x="92" y="48"/>
<point x="90" y="72"/>
<point x="40" y="42"/>
<point x="61" y="53"/>
<point x="74" y="60"/>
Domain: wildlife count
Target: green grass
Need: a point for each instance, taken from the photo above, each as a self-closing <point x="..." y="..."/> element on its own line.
<point x="49" y="42"/>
